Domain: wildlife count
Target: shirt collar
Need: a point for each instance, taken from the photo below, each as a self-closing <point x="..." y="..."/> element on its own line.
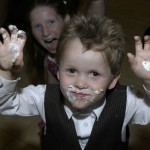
<point x="95" y="113"/>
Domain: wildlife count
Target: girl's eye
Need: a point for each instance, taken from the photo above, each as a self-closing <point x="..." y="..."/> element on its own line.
<point x="50" y="22"/>
<point x="36" y="27"/>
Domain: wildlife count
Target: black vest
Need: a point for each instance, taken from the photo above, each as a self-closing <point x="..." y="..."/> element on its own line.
<point x="106" y="132"/>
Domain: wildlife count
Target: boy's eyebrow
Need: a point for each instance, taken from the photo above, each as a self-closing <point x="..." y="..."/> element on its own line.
<point x="69" y="65"/>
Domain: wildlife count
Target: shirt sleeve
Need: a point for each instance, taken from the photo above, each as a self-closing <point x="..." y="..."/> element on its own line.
<point x="138" y="107"/>
<point x="27" y="101"/>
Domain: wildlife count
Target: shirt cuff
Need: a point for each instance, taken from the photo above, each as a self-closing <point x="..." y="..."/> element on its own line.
<point x="8" y="85"/>
<point x="146" y="90"/>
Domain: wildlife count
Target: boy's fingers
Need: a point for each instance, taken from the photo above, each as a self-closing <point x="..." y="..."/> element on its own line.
<point x="5" y="34"/>
<point x="17" y="35"/>
<point x="21" y="35"/>
<point x="21" y="38"/>
<point x="147" y="42"/>
<point x="131" y="58"/>
<point x="13" y="29"/>
<point x="138" y="43"/>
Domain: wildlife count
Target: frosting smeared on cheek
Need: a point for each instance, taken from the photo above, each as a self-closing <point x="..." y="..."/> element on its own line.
<point x="98" y="91"/>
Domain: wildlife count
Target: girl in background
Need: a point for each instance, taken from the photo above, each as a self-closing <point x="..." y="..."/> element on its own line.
<point x="46" y="21"/>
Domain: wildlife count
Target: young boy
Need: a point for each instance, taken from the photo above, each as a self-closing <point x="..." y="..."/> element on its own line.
<point x="89" y="109"/>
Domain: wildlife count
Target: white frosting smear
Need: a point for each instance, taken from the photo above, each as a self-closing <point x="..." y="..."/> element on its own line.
<point x="88" y="94"/>
<point x="14" y="51"/>
<point x="146" y="65"/>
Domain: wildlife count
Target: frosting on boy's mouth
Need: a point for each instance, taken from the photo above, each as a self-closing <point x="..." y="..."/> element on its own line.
<point x="87" y="95"/>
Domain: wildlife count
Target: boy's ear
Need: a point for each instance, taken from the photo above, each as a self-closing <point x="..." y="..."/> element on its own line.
<point x="58" y="75"/>
<point x="114" y="81"/>
<point x="67" y="18"/>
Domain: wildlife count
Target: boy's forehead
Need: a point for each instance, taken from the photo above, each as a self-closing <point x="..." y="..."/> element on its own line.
<point x="75" y="49"/>
<point x="75" y="44"/>
<point x="84" y="61"/>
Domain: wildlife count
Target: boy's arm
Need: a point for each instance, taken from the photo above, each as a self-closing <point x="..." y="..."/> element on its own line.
<point x="140" y="62"/>
<point x="28" y="101"/>
<point x="11" y="52"/>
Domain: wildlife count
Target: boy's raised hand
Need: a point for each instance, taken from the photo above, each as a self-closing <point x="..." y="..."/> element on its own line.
<point x="11" y="49"/>
<point x="140" y="62"/>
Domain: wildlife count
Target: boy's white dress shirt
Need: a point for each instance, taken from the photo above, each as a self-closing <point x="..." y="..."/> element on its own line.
<point x="29" y="101"/>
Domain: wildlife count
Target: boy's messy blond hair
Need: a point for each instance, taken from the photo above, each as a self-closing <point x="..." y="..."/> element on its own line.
<point x="99" y="34"/>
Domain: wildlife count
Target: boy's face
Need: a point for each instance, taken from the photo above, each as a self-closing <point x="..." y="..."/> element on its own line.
<point x="84" y="76"/>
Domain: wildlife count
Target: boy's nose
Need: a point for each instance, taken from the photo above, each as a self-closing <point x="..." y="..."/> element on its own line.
<point x="81" y="83"/>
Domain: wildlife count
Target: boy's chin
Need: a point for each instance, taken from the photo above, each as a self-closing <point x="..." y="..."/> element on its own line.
<point x="80" y="105"/>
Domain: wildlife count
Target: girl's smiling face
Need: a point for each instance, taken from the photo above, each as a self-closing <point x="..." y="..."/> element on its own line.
<point x="84" y="75"/>
<point x="46" y="25"/>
